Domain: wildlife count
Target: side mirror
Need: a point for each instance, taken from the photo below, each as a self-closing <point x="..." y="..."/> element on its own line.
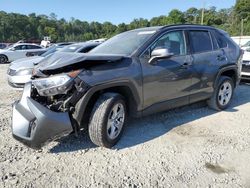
<point x="12" y="49"/>
<point x="159" y="54"/>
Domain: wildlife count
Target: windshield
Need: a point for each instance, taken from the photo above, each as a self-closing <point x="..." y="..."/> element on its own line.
<point x="71" y="48"/>
<point x="50" y="50"/>
<point x="124" y="43"/>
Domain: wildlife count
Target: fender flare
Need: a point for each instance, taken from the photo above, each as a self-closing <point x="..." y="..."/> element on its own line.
<point x="81" y="105"/>
<point x="224" y="69"/>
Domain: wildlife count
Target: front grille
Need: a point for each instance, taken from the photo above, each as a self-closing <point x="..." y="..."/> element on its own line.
<point x="11" y="72"/>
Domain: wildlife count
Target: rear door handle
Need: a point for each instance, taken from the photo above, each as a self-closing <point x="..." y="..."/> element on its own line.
<point x="221" y="57"/>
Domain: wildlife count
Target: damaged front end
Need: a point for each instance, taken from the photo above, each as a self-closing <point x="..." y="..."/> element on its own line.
<point x="44" y="111"/>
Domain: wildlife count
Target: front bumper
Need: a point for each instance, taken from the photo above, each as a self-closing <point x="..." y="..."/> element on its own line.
<point x="35" y="125"/>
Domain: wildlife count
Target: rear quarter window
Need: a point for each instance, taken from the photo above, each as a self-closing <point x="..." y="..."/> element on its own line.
<point x="200" y="41"/>
<point x="221" y="40"/>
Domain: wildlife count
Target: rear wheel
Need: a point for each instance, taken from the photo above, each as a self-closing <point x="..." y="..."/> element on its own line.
<point x="107" y="120"/>
<point x="3" y="59"/>
<point x="223" y="94"/>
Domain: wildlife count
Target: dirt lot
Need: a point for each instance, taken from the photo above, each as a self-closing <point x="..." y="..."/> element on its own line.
<point x="188" y="147"/>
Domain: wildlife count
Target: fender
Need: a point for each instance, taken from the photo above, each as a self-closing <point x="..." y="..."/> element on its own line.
<point x="227" y="68"/>
<point x="81" y="105"/>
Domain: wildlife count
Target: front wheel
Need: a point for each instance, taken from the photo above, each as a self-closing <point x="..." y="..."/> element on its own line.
<point x="107" y="120"/>
<point x="3" y="59"/>
<point x="223" y="94"/>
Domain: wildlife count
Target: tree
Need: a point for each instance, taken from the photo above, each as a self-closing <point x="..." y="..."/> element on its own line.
<point x="14" y="27"/>
<point x="176" y="17"/>
<point x="242" y="9"/>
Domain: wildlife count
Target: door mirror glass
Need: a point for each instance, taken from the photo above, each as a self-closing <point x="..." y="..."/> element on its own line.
<point x="160" y="53"/>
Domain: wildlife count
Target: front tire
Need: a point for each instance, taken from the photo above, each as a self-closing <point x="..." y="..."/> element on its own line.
<point x="107" y="120"/>
<point x="222" y="95"/>
<point x="3" y="59"/>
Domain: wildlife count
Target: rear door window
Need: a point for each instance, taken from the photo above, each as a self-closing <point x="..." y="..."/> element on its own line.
<point x="200" y="41"/>
<point x="31" y="47"/>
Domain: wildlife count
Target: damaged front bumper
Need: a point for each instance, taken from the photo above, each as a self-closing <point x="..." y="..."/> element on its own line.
<point x="35" y="125"/>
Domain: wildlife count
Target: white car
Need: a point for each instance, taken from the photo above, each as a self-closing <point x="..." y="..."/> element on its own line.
<point x="18" y="51"/>
<point x="245" y="72"/>
<point x="246" y="46"/>
<point x="20" y="71"/>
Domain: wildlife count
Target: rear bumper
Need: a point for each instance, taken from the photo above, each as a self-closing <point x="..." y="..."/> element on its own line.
<point x="35" y="125"/>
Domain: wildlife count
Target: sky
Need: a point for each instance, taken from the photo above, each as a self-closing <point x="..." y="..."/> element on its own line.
<point x="115" y="11"/>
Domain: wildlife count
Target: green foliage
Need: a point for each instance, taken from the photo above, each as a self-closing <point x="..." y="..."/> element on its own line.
<point x="242" y="9"/>
<point x="14" y="27"/>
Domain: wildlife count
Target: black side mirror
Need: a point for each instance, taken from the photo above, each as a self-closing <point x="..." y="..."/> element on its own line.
<point x="159" y="54"/>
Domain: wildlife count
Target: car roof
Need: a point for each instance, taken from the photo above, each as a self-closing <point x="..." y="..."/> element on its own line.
<point x="17" y="44"/>
<point x="188" y="26"/>
<point x="159" y="28"/>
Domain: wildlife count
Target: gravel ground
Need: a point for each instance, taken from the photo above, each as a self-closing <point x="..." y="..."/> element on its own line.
<point x="187" y="147"/>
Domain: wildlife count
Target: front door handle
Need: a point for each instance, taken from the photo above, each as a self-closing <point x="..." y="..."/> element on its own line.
<point x="185" y="65"/>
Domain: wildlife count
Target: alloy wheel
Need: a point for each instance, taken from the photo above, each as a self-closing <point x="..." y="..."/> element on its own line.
<point x="225" y="93"/>
<point x="115" y="121"/>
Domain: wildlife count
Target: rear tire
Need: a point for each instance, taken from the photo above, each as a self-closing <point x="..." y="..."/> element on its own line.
<point x="222" y="95"/>
<point x="107" y="120"/>
<point x="3" y="59"/>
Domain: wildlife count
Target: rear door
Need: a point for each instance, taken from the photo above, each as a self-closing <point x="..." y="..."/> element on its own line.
<point x="207" y="58"/>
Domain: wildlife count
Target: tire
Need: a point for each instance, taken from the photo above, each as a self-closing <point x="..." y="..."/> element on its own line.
<point x="222" y="95"/>
<point x="106" y="125"/>
<point x="3" y="59"/>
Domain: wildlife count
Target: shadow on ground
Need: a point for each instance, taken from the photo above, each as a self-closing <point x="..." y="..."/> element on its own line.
<point x="148" y="128"/>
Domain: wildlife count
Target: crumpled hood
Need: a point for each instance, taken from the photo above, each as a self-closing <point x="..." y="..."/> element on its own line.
<point x="65" y="61"/>
<point x="25" y="63"/>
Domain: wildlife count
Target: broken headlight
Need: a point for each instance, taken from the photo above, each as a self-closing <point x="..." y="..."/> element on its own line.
<point x="53" y="85"/>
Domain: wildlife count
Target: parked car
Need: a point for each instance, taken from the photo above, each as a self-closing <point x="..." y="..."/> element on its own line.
<point x="20" y="71"/>
<point x="245" y="72"/>
<point x="53" y="48"/>
<point x="246" y="46"/>
<point x="135" y="73"/>
<point x="18" y="51"/>
<point x="3" y="45"/>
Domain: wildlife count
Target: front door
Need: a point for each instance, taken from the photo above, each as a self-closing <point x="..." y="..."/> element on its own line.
<point x="167" y="82"/>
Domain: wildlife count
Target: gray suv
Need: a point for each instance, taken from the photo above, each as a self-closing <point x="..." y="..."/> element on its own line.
<point x="134" y="74"/>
